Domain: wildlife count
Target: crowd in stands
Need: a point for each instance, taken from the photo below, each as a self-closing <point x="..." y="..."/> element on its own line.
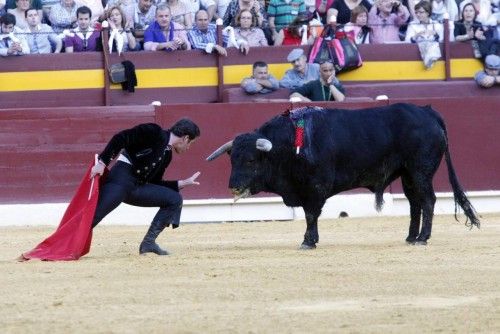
<point x="45" y="26"/>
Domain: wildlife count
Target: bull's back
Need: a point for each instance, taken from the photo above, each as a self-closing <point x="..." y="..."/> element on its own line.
<point x="367" y="147"/>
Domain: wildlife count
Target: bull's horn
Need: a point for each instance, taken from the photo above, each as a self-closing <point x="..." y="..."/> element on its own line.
<point x="264" y="145"/>
<point x="221" y="150"/>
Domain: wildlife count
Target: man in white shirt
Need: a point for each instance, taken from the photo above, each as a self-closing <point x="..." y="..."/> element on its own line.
<point x="11" y="44"/>
<point x="40" y="37"/>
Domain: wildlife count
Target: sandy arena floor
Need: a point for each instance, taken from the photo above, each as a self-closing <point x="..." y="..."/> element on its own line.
<point x="251" y="278"/>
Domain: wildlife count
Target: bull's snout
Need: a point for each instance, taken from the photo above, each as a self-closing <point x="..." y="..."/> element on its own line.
<point x="240" y="193"/>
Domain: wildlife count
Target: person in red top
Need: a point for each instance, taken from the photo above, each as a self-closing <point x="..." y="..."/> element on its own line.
<point x="292" y="35"/>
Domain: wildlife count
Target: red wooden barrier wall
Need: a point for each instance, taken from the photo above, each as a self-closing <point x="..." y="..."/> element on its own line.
<point x="43" y="152"/>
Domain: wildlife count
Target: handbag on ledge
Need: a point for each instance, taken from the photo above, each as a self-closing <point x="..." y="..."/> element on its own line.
<point x="117" y="73"/>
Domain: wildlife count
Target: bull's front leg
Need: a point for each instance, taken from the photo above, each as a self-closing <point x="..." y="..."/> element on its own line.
<point x="311" y="237"/>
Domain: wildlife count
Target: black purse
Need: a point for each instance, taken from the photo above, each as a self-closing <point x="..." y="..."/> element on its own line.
<point x="117" y="73"/>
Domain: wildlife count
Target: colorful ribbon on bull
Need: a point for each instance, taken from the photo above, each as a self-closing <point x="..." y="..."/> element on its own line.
<point x="297" y="117"/>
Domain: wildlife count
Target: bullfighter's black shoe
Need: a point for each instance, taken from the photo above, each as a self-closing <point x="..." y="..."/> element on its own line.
<point x="148" y="245"/>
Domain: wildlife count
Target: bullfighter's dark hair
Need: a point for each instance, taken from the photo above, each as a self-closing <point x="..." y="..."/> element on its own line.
<point x="259" y="64"/>
<point x="185" y="127"/>
<point x="8" y="19"/>
<point x="83" y="10"/>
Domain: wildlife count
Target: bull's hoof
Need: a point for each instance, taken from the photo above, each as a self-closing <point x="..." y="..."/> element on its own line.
<point x="307" y="246"/>
<point x="420" y="243"/>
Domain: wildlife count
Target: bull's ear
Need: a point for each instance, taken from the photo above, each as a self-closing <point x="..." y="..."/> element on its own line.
<point x="264" y="145"/>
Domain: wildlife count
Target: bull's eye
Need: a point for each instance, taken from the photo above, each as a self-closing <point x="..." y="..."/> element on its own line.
<point x="250" y="162"/>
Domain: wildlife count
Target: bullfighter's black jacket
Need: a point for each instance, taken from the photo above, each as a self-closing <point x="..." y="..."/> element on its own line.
<point x="146" y="147"/>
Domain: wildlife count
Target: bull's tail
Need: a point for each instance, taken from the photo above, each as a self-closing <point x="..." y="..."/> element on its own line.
<point x="458" y="192"/>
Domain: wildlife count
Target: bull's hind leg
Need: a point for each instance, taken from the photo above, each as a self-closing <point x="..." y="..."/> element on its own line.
<point x="428" y="201"/>
<point x="415" y="209"/>
<point x="311" y="237"/>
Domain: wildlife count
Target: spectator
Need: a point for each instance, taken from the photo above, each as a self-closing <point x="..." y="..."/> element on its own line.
<point x="11" y="44"/>
<point x="301" y="73"/>
<point x="83" y="38"/>
<point x="40" y="37"/>
<point x="96" y="8"/>
<point x="144" y="15"/>
<point x="468" y="28"/>
<point x="165" y="34"/>
<point x="180" y="13"/>
<point x="208" y="5"/>
<point x="121" y="35"/>
<point x="385" y="17"/>
<point x="11" y="4"/>
<point x="322" y="7"/>
<point x="442" y="9"/>
<point x="326" y="88"/>
<point x="261" y="82"/>
<point x="20" y="13"/>
<point x="490" y="76"/>
<point x="63" y="15"/>
<point x="483" y="8"/>
<point x="46" y="7"/>
<point x="342" y="9"/>
<point x="222" y="6"/>
<point x="424" y="28"/>
<point x="203" y="36"/>
<point x="359" y="25"/>
<point x="281" y="13"/>
<point x="292" y="35"/>
<point x="247" y="31"/>
<point x="236" y="6"/>
<point x="127" y="7"/>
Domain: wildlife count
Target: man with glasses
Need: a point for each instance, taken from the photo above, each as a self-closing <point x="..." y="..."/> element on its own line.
<point x="83" y="38"/>
<point x="301" y="73"/>
<point x="326" y="88"/>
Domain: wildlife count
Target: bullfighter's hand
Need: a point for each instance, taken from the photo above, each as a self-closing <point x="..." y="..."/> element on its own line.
<point x="97" y="169"/>
<point x="190" y="181"/>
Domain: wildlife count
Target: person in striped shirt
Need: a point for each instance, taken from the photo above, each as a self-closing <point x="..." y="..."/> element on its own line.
<point x="203" y="36"/>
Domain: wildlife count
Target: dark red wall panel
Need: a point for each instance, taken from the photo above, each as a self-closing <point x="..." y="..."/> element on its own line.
<point x="44" y="152"/>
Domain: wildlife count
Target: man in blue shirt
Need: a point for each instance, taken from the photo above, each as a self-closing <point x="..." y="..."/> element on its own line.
<point x="301" y="73"/>
<point x="165" y="34"/>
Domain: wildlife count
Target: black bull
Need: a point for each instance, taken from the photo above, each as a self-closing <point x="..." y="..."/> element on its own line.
<point x="343" y="150"/>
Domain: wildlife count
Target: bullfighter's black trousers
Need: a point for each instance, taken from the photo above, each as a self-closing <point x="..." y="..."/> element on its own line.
<point x="122" y="186"/>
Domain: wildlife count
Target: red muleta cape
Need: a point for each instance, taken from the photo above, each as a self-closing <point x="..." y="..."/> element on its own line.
<point x="72" y="238"/>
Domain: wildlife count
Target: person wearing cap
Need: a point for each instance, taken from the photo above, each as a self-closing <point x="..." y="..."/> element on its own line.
<point x="301" y="73"/>
<point x="490" y="76"/>
<point x="326" y="88"/>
